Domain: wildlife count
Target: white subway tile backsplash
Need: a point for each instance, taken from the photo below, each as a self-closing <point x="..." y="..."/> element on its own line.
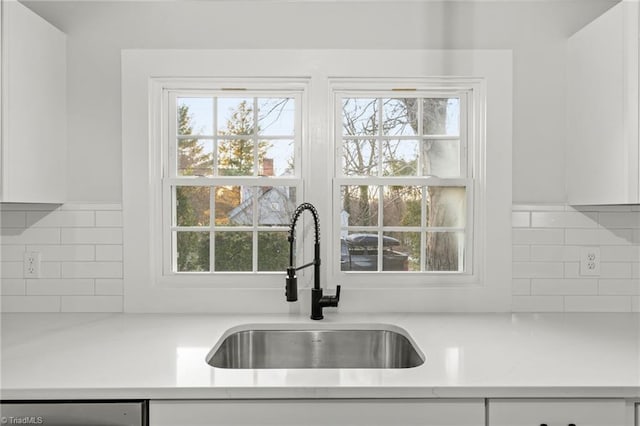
<point x="523" y="236"/>
<point x="27" y="207"/>
<point x="539" y="207"/>
<point x="537" y="303"/>
<point x="40" y="219"/>
<point x="9" y="219"/>
<point x="50" y="270"/>
<point x="521" y="287"/>
<point x="615" y="270"/>
<point x="110" y="253"/>
<point x="52" y="287"/>
<point x="91" y="235"/>
<point x="12" y="236"/>
<point x="109" y="218"/>
<point x="12" y="287"/>
<point x="620" y="220"/>
<point x="544" y="253"/>
<point x="548" y="287"/>
<point x="11" y="270"/>
<point x="597" y="304"/>
<point x="520" y="219"/>
<point x="572" y="270"/>
<point x="538" y="270"/>
<point x="61" y="253"/>
<point x="81" y="257"/>
<point x="91" y="206"/>
<point x="564" y="220"/>
<point x="30" y="304"/>
<point x="520" y="253"/>
<point x="109" y="287"/>
<point x="12" y="253"/>
<point x="92" y="304"/>
<point x="618" y="287"/>
<point x="616" y="208"/>
<point x="615" y="230"/>
<point x="587" y="237"/>
<point x="620" y="253"/>
<point x="92" y="270"/>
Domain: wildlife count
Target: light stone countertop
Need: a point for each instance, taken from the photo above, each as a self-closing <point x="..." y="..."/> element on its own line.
<point x="161" y="356"/>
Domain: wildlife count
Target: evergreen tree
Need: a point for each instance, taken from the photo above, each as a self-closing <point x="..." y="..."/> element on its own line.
<point x="192" y="202"/>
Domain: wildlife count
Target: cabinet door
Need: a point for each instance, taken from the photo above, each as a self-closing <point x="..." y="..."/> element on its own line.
<point x="34" y="113"/>
<point x="561" y="412"/>
<point x="603" y="163"/>
<point x="317" y="412"/>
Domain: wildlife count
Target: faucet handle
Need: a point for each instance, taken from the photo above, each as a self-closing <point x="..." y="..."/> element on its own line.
<point x="333" y="300"/>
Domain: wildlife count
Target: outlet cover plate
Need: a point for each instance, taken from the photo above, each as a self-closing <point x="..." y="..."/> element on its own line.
<point x="31" y="264"/>
<point x="590" y="261"/>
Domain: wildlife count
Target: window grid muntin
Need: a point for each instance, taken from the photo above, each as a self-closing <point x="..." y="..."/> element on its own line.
<point x="380" y="180"/>
<point x="254" y="181"/>
<point x="462" y="137"/>
<point x="380" y="228"/>
<point x="214" y="229"/>
<point x="254" y="136"/>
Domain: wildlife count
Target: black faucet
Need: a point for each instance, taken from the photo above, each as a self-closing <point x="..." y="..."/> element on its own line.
<point x="318" y="301"/>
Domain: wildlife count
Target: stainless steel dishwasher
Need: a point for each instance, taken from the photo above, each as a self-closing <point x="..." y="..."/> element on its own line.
<point x="74" y="413"/>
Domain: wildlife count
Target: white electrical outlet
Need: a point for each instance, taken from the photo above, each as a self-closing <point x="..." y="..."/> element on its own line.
<point x="31" y="264"/>
<point x="589" y="261"/>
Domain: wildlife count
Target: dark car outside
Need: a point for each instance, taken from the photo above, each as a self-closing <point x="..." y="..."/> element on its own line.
<point x="359" y="252"/>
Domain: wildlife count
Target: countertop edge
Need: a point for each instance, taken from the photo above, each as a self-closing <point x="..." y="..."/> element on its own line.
<point x="453" y="392"/>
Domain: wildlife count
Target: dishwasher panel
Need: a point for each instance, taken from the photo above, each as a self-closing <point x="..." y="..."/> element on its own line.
<point x="74" y="413"/>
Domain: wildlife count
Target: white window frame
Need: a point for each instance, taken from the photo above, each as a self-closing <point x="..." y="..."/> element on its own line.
<point x="167" y="90"/>
<point x="472" y="131"/>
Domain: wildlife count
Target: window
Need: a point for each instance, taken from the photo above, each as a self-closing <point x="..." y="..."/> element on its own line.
<point x="481" y="80"/>
<point x="233" y="179"/>
<point x="402" y="183"/>
<point x="403" y="186"/>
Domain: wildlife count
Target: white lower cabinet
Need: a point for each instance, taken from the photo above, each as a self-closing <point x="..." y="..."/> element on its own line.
<point x="557" y="412"/>
<point x="331" y="412"/>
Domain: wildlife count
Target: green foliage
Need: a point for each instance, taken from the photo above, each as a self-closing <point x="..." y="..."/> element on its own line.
<point x="236" y="156"/>
<point x="192" y="160"/>
<point x="273" y="251"/>
<point x="234" y="251"/>
<point x="193" y="251"/>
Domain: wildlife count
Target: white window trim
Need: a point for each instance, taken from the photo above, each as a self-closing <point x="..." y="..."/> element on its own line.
<point x="143" y="290"/>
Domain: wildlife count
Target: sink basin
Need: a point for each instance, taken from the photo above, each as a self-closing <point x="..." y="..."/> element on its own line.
<point x="315" y="346"/>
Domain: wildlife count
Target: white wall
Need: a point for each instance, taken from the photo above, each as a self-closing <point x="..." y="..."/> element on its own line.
<point x="536" y="31"/>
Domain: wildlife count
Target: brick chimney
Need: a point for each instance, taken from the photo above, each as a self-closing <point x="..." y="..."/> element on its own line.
<point x="267" y="167"/>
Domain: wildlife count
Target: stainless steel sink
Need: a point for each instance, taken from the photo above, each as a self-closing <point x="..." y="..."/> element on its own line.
<point x="311" y="346"/>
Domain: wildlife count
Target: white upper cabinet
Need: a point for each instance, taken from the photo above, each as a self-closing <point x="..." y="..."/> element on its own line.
<point x="603" y="159"/>
<point x="34" y="112"/>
